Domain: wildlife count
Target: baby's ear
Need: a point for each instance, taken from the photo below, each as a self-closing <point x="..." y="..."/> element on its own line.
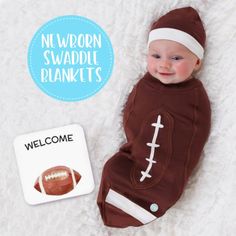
<point x="198" y="65"/>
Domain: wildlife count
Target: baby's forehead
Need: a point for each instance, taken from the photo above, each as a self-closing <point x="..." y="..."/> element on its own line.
<point x="167" y="45"/>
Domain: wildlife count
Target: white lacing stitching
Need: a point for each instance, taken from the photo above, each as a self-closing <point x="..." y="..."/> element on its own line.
<point x="56" y="175"/>
<point x="153" y="145"/>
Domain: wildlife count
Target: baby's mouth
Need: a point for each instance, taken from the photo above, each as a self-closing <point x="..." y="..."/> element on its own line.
<point x="165" y="74"/>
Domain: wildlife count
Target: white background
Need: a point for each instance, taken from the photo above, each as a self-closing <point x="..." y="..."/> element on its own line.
<point x="208" y="205"/>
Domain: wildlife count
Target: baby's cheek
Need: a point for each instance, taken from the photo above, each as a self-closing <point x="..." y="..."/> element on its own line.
<point x="184" y="69"/>
<point x="151" y="66"/>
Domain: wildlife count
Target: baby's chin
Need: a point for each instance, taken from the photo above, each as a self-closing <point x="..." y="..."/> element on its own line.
<point x="165" y="80"/>
<point x="170" y="80"/>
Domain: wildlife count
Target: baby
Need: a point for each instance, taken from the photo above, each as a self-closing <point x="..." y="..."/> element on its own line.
<point x="167" y="122"/>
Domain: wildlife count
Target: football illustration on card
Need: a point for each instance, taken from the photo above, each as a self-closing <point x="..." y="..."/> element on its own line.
<point x="57" y="180"/>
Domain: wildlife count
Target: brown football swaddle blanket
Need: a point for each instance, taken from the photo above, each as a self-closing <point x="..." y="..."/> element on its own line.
<point x="166" y="128"/>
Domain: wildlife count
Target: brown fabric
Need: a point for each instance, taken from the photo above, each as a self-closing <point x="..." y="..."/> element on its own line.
<point x="185" y="19"/>
<point x="185" y="114"/>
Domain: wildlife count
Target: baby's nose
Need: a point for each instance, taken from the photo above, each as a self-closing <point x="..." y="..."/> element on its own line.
<point x="164" y="63"/>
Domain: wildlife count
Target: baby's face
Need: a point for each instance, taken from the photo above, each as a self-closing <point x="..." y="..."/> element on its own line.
<point x="171" y="62"/>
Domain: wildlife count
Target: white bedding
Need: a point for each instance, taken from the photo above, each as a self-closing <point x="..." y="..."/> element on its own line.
<point x="208" y="205"/>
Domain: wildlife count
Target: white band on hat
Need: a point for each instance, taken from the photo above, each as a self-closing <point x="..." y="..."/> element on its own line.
<point x="179" y="36"/>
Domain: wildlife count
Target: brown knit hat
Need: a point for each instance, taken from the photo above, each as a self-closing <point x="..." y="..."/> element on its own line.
<point x="182" y="25"/>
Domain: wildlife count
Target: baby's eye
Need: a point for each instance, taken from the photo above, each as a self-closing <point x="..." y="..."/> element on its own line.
<point x="156" y="55"/>
<point x="176" y="58"/>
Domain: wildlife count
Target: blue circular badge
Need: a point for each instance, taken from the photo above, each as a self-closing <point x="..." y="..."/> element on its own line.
<point x="70" y="58"/>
